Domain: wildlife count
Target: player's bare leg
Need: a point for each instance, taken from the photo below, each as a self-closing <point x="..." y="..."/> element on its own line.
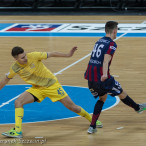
<point x="68" y="103"/>
<point x="23" y="99"/>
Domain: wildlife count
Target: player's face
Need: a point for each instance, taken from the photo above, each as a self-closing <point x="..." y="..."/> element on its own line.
<point x="22" y="58"/>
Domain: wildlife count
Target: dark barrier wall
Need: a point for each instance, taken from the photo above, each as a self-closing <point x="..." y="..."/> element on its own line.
<point x="73" y="4"/>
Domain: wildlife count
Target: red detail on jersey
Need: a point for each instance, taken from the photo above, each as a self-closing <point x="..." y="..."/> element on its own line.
<point x="86" y="76"/>
<point x="109" y="49"/>
<point x="95" y="74"/>
<point x="90" y="73"/>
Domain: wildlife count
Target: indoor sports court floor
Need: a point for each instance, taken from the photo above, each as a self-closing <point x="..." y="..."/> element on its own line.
<point x="122" y="126"/>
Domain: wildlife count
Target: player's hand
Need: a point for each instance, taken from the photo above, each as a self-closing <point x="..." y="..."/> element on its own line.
<point x="72" y="52"/>
<point x="103" y="78"/>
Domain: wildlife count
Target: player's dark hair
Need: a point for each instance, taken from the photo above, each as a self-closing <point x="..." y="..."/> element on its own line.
<point x="16" y="51"/>
<point x="110" y="26"/>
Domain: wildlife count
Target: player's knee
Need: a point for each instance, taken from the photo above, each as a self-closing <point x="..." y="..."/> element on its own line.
<point x="76" y="109"/>
<point x="123" y="95"/>
<point x="103" y="98"/>
<point x="18" y="103"/>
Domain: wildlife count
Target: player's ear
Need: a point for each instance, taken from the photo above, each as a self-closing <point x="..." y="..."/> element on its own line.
<point x="15" y="57"/>
<point x="114" y="31"/>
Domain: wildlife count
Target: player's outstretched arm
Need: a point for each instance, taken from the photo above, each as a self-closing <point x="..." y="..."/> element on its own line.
<point x="59" y="54"/>
<point x="3" y="82"/>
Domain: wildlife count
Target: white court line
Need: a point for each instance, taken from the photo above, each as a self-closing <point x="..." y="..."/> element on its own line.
<point x="3" y="30"/>
<point x="59" y="72"/>
<point x="119" y="128"/>
<point x="116" y="76"/>
<point x="117" y="101"/>
<point x="7" y="102"/>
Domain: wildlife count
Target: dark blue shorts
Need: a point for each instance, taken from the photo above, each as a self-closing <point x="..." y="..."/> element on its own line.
<point x="109" y="86"/>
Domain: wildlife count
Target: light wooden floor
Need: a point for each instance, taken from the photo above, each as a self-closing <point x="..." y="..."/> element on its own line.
<point x="129" y="63"/>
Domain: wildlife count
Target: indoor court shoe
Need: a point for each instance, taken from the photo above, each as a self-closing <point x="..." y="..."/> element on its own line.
<point x="13" y="133"/>
<point x="99" y="124"/>
<point x="91" y="130"/>
<point x="142" y="108"/>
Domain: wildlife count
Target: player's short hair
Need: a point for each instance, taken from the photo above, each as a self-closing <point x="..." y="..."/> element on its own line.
<point x="16" y="51"/>
<point x="110" y="26"/>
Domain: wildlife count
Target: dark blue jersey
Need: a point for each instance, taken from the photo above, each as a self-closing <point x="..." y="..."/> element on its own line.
<point x="94" y="70"/>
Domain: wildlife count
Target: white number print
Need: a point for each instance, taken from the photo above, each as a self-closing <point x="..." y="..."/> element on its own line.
<point x="97" y="50"/>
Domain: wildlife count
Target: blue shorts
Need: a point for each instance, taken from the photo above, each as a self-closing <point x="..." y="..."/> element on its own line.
<point x="109" y="86"/>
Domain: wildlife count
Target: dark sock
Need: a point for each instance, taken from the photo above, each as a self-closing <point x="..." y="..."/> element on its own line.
<point x="96" y="113"/>
<point x="128" y="101"/>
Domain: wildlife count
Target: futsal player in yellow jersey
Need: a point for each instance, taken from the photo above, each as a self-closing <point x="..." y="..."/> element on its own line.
<point x="44" y="84"/>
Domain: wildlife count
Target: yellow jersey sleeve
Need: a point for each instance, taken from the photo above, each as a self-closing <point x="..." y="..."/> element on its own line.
<point x="10" y="74"/>
<point x="38" y="55"/>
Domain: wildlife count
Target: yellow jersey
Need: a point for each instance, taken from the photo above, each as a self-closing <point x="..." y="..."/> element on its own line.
<point x="34" y="72"/>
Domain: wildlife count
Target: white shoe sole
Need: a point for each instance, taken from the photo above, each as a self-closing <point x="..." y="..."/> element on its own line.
<point x="5" y="134"/>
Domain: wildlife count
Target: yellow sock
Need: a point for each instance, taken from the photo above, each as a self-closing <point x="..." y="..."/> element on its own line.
<point x="19" y="112"/>
<point x="85" y="114"/>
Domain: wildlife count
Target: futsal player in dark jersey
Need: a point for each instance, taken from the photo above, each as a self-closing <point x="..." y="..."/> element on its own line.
<point x="100" y="82"/>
